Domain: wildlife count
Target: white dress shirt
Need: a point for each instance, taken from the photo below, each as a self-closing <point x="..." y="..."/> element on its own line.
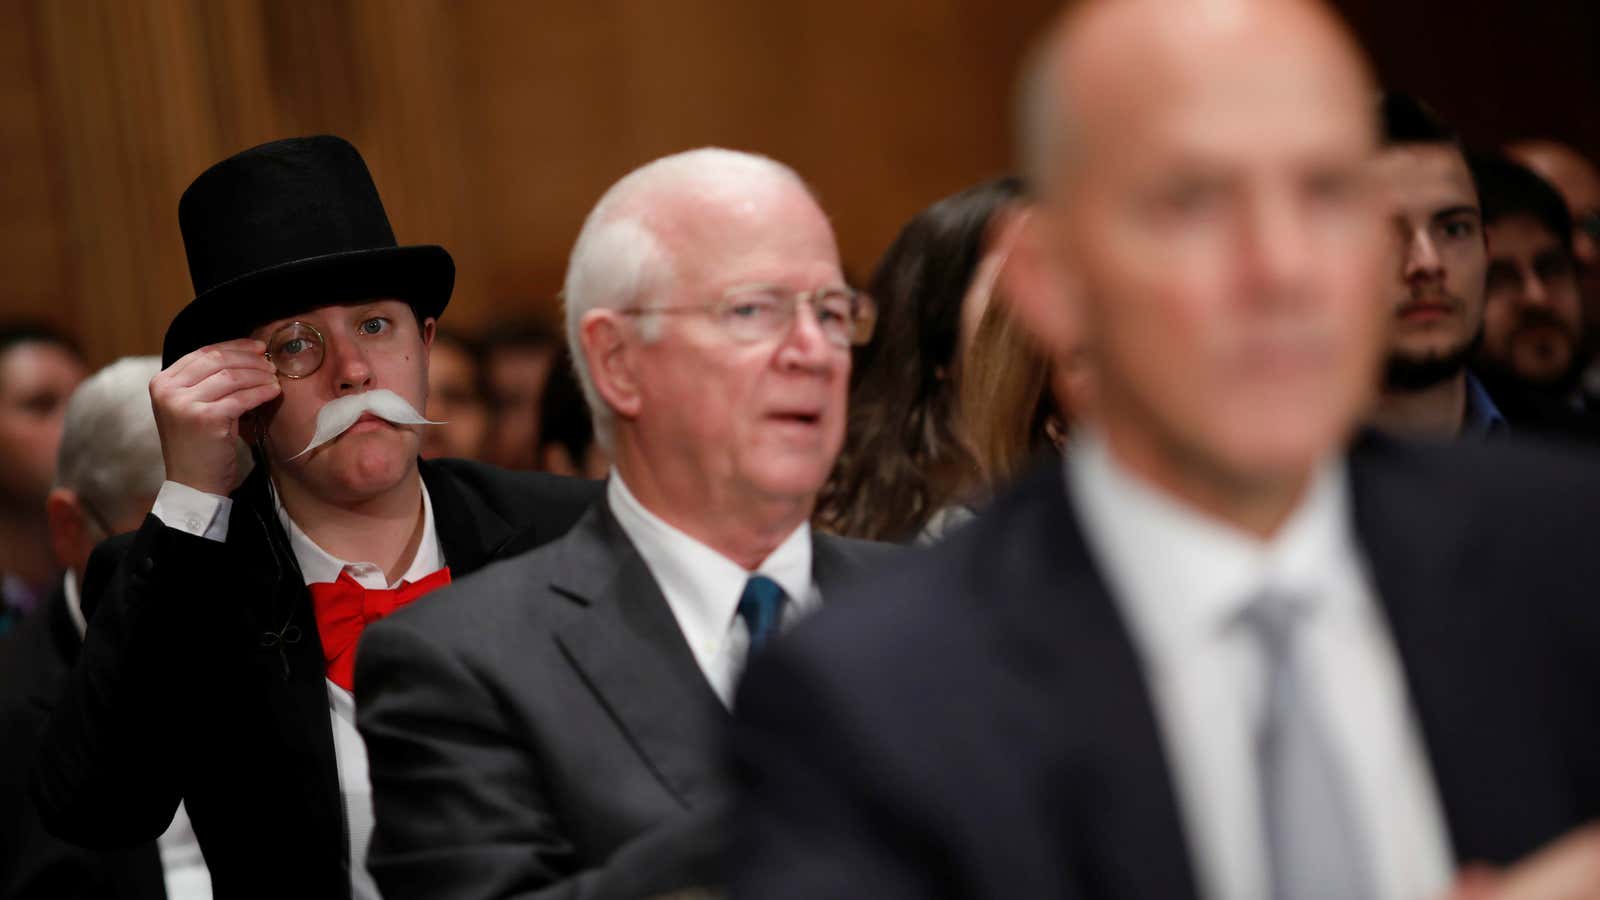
<point x="703" y="587"/>
<point x="1182" y="581"/>
<point x="206" y="515"/>
<point x="183" y="867"/>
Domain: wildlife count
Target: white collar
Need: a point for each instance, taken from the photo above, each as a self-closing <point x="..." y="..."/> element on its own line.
<point x="701" y="585"/>
<point x="318" y="565"/>
<point x="1182" y="574"/>
<point x="69" y="585"/>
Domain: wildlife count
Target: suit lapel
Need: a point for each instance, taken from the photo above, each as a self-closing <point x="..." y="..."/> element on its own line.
<point x="623" y="638"/>
<point x="1460" y="646"/>
<point x="832" y="564"/>
<point x="282" y="621"/>
<point x="1061" y="632"/>
<point x="470" y="534"/>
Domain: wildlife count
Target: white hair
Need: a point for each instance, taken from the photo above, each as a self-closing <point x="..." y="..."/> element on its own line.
<point x="110" y="452"/>
<point x="623" y="256"/>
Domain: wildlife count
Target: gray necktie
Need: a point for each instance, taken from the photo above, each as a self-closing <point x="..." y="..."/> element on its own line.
<point x="1313" y="843"/>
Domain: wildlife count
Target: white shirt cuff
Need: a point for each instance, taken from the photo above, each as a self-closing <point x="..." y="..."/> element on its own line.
<point x="193" y="511"/>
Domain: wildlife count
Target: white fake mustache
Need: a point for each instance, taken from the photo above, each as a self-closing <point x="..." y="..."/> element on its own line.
<point x="337" y="415"/>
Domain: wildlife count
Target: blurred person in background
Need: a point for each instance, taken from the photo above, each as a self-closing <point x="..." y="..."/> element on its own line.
<point x="1533" y="338"/>
<point x="903" y="462"/>
<point x="457" y="399"/>
<point x="567" y="442"/>
<point x="1224" y="650"/>
<point x="38" y="370"/>
<point x="517" y="360"/>
<point x="1014" y="405"/>
<point x="1578" y="179"/>
<point x="554" y="726"/>
<point x="1436" y="292"/>
<point x="109" y="473"/>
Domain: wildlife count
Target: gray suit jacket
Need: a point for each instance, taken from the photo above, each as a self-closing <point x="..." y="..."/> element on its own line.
<point x="541" y="728"/>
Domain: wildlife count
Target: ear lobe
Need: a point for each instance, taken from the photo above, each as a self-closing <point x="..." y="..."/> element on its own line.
<point x="610" y="359"/>
<point x="1037" y="287"/>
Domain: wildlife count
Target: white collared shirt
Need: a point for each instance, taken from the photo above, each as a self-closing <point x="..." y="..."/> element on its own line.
<point x="318" y="565"/>
<point x="206" y="515"/>
<point x="702" y="587"/>
<point x="1182" y="581"/>
<point x="183" y="867"/>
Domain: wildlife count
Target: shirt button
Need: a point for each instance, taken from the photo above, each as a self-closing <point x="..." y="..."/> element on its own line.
<point x="194" y="523"/>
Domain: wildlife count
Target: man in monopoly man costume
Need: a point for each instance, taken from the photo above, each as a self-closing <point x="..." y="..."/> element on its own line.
<point x="217" y="667"/>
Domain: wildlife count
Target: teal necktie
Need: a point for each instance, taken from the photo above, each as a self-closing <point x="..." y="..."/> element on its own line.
<point x="761" y="608"/>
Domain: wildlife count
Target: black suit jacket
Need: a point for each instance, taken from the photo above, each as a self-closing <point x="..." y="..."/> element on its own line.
<point x="202" y="679"/>
<point x="986" y="730"/>
<point x="542" y="729"/>
<point x="34" y="864"/>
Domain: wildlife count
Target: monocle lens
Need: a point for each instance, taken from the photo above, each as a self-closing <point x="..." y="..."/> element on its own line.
<point x="295" y="350"/>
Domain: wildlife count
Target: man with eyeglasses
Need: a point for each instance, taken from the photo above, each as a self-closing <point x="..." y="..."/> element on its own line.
<point x="217" y="663"/>
<point x="1532" y="355"/>
<point x="551" y="726"/>
<point x="1578" y="180"/>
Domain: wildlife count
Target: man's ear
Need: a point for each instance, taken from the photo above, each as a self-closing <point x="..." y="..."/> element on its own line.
<point x="69" y="540"/>
<point x="1037" y="286"/>
<point x="430" y="327"/>
<point x="611" y="359"/>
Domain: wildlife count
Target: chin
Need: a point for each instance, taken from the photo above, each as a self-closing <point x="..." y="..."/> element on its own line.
<point x="1279" y="441"/>
<point x="790" y="479"/>
<point x="366" y="469"/>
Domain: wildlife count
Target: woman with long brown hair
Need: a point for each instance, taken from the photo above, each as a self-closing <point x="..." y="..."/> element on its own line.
<point x="903" y="461"/>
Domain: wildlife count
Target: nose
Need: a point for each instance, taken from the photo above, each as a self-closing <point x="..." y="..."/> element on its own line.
<point x="1585" y="249"/>
<point x="805" y="348"/>
<point x="1533" y="292"/>
<point x="1276" y="248"/>
<point x="1422" y="258"/>
<point x="347" y="360"/>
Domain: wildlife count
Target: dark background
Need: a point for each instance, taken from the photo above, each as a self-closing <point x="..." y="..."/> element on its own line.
<point x="1497" y="69"/>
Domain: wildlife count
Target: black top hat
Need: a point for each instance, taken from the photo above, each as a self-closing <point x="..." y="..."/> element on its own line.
<point x="290" y="226"/>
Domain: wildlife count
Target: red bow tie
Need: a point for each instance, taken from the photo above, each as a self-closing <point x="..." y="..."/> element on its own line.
<point x="344" y="608"/>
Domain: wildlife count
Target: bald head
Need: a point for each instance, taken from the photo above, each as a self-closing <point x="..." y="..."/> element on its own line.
<point x="1105" y="59"/>
<point x="1573" y="175"/>
<point x="1209" y="213"/>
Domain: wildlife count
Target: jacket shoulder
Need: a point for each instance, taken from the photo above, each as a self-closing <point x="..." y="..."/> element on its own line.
<point x="861" y="553"/>
<point x="506" y="489"/>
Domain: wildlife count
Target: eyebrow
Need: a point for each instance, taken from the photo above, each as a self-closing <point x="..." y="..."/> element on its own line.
<point x="1464" y="209"/>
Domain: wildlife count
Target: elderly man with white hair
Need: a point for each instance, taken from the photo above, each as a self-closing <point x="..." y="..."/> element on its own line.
<point x="551" y="726"/>
<point x="108" y="473"/>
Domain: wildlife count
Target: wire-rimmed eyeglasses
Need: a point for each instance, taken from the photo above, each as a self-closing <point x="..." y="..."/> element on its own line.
<point x="760" y="312"/>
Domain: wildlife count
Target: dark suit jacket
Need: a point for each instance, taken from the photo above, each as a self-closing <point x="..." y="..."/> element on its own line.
<point x="542" y="729"/>
<point x="35" y="865"/>
<point x="985" y="728"/>
<point x="202" y="679"/>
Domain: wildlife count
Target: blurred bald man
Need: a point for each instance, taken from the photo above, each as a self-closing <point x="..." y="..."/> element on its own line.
<point x="1221" y="651"/>
<point x="1578" y="181"/>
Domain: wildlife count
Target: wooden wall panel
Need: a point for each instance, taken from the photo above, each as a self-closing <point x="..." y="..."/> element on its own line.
<point x="491" y="126"/>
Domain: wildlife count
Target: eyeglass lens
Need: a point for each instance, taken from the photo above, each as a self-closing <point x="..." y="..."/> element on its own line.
<point x="295" y="350"/>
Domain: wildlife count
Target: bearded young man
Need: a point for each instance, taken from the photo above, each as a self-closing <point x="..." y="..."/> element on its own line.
<point x="217" y="667"/>
<point x="1438" y="284"/>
